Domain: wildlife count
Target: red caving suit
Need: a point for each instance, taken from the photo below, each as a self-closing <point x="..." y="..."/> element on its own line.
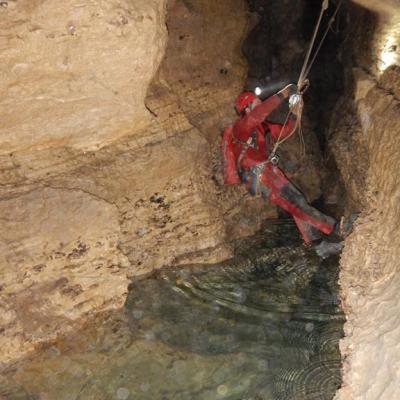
<point x="245" y="150"/>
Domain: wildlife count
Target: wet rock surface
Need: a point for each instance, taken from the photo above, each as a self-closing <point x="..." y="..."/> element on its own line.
<point x="264" y="327"/>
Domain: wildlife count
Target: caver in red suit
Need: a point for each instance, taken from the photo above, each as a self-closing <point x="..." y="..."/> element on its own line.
<point x="246" y="147"/>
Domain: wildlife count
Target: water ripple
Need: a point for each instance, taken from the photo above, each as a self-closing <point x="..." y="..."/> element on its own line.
<point x="313" y="382"/>
<point x="278" y="308"/>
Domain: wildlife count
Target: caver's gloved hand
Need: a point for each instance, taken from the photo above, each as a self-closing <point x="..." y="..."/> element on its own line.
<point x="304" y="86"/>
<point x="295" y="101"/>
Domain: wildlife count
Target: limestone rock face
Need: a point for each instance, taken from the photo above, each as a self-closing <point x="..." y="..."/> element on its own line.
<point x="76" y="73"/>
<point x="57" y="263"/>
<point x="81" y="210"/>
<point x="365" y="144"/>
<point x="370" y="269"/>
<point x="70" y="242"/>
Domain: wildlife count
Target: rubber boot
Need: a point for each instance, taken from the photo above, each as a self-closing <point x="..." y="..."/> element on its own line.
<point x="326" y="249"/>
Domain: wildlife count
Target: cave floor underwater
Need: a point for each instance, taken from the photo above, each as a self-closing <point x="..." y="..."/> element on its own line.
<point x="263" y="326"/>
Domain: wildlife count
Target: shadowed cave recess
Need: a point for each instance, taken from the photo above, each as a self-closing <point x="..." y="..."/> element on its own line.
<point x="128" y="270"/>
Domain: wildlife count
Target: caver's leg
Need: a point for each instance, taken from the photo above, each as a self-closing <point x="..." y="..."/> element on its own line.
<point x="307" y="231"/>
<point x="280" y="191"/>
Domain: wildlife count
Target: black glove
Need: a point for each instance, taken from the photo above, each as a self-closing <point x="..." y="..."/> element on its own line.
<point x="304" y="86"/>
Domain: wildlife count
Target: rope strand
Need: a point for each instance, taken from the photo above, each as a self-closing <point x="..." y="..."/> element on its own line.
<point x="330" y="23"/>
<point x="325" y="5"/>
<point x="298" y="112"/>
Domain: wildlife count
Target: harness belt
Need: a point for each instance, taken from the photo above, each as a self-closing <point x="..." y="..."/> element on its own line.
<point x="254" y="173"/>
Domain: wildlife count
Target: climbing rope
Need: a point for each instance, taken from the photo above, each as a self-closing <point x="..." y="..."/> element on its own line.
<point x="330" y="23"/>
<point x="303" y="82"/>
<point x="325" y="5"/>
<point x="296" y="109"/>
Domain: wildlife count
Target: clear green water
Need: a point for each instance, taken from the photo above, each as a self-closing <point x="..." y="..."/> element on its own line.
<point x="264" y="326"/>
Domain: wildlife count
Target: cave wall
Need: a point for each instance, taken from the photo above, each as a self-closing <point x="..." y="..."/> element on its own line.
<point x="363" y="138"/>
<point x="109" y="152"/>
<point x="69" y="74"/>
<point x="107" y="165"/>
<point x="71" y="82"/>
<point x="354" y="103"/>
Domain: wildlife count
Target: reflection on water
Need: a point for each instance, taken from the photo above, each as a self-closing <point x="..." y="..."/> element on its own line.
<point x="263" y="327"/>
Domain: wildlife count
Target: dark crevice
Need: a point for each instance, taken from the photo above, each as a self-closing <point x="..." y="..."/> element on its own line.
<point x="327" y="74"/>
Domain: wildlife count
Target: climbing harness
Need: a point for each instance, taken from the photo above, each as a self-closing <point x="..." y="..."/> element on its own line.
<point x="274" y="159"/>
<point x="253" y="178"/>
<point x="296" y="102"/>
<point x="250" y="143"/>
<point x="256" y="171"/>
